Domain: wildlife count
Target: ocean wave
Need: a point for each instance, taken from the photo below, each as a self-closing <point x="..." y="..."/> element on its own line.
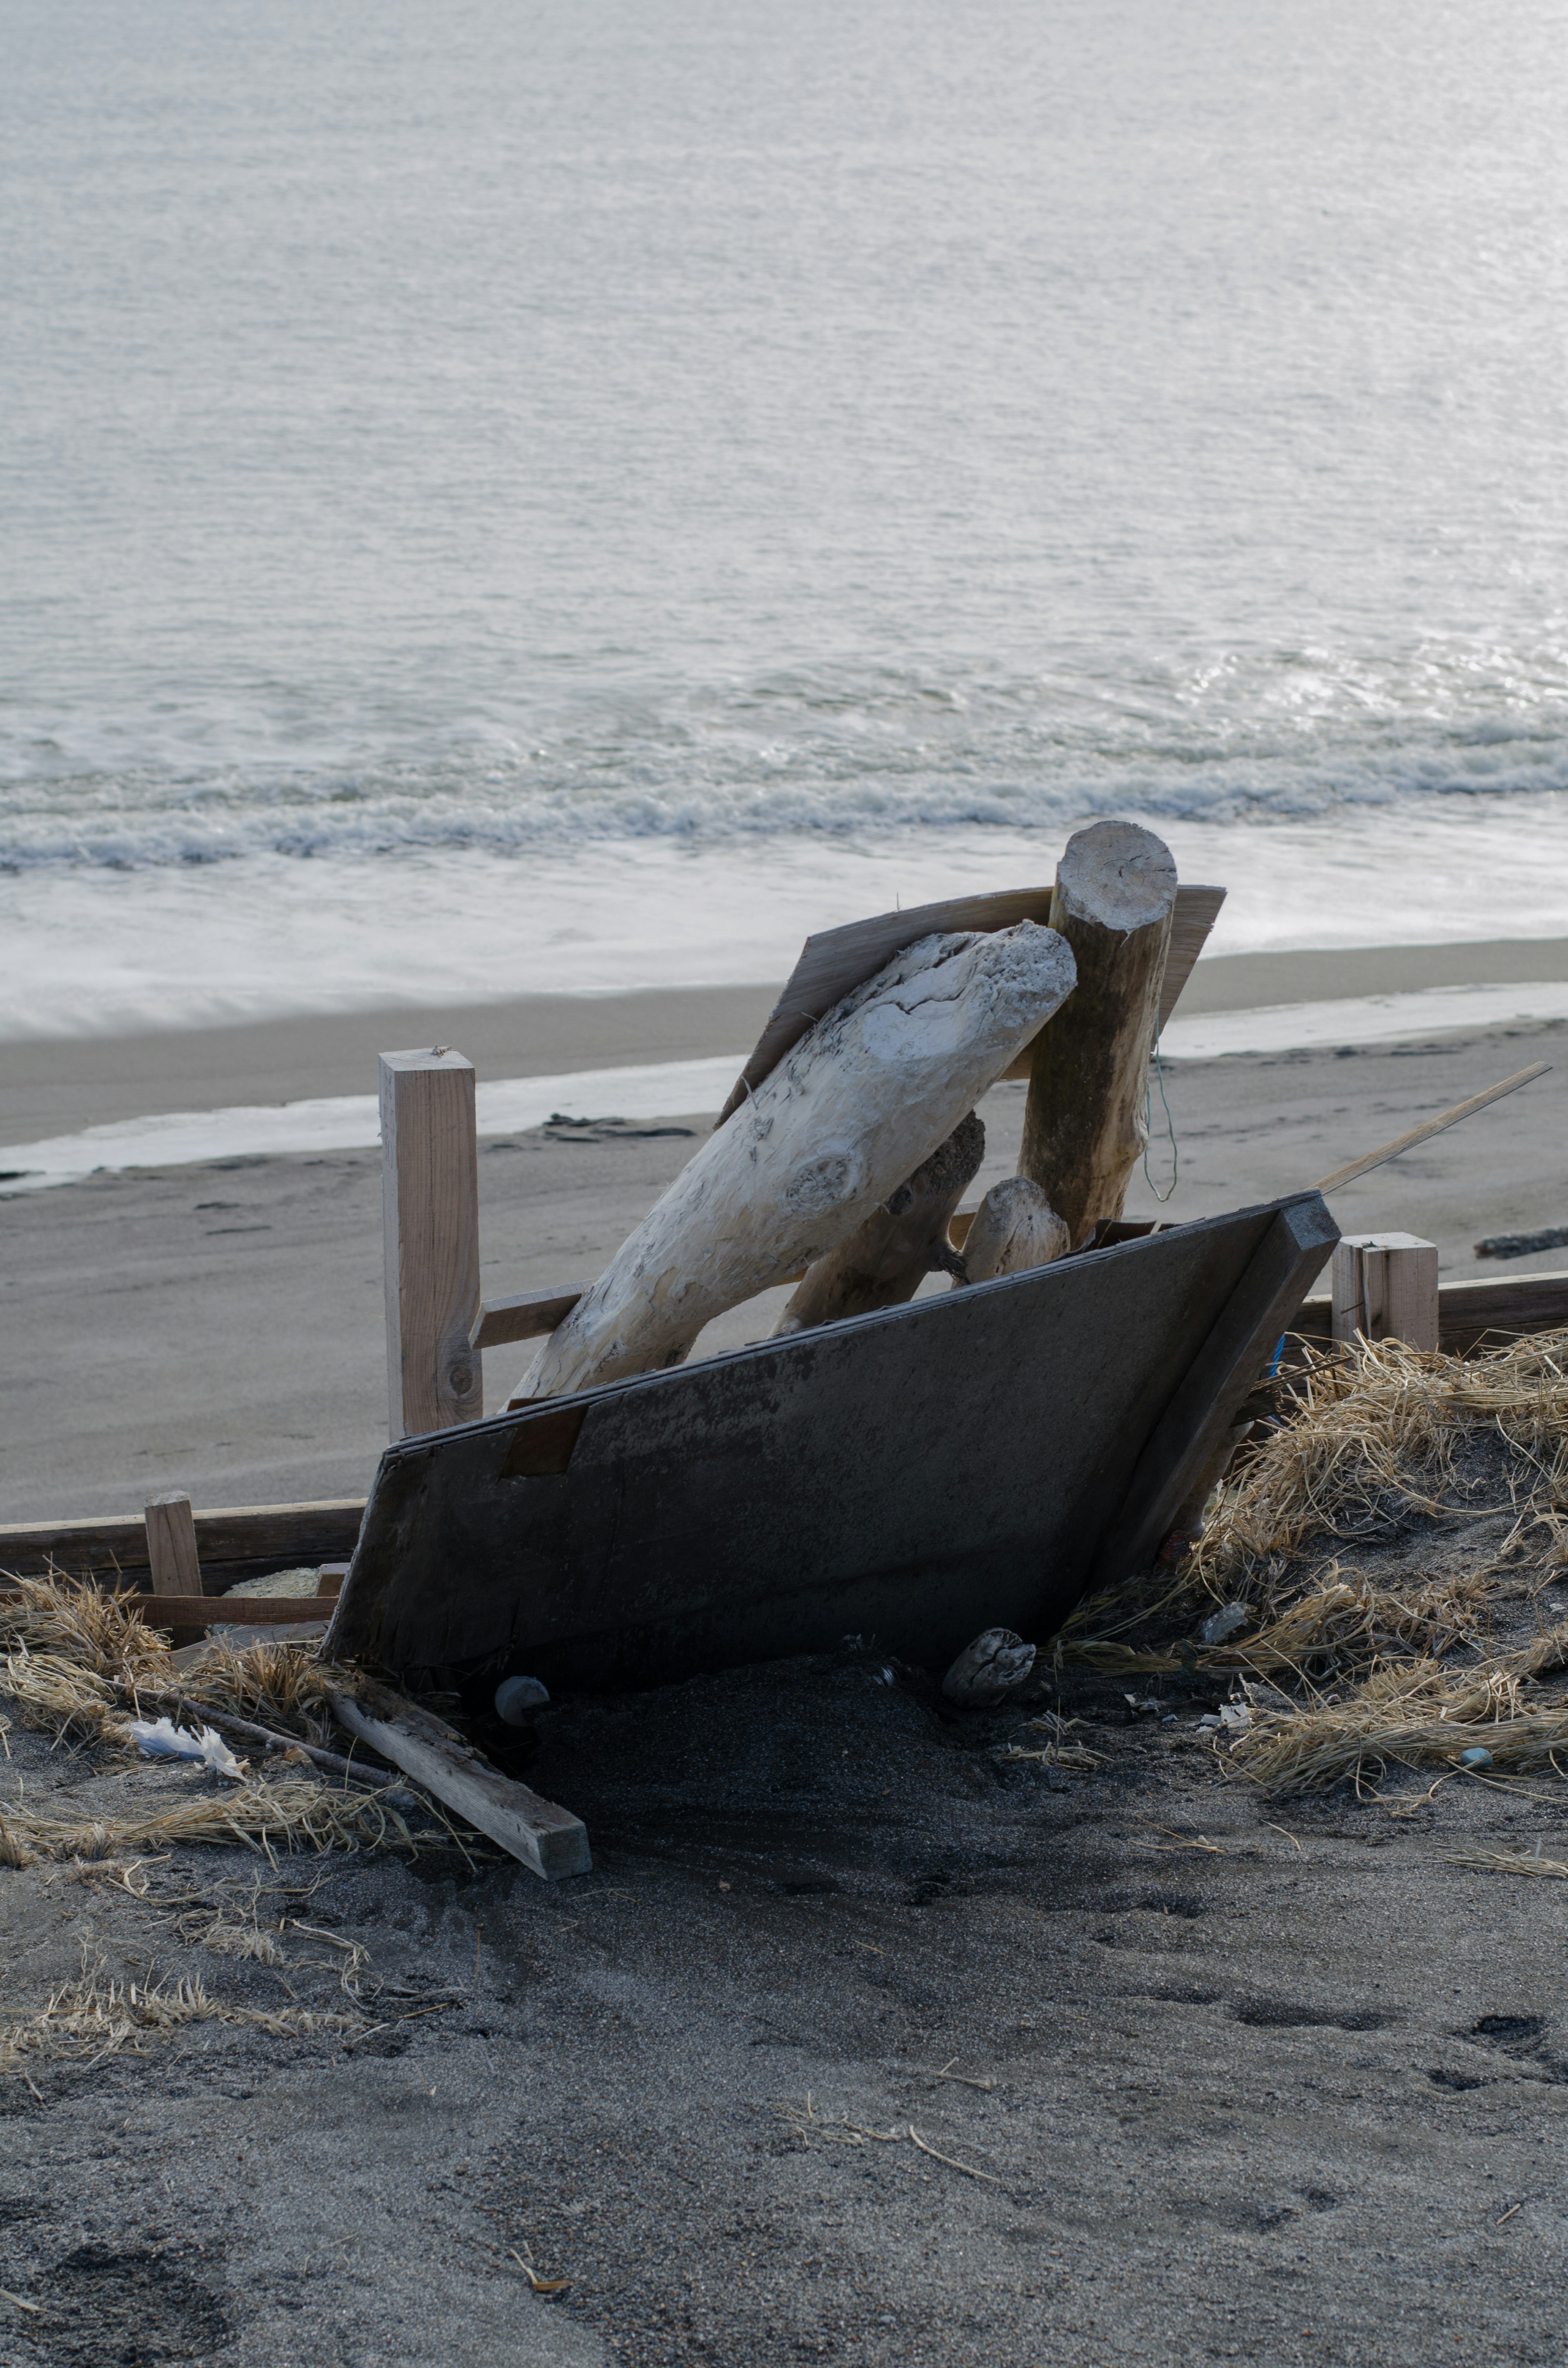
<point x="814" y="756"/>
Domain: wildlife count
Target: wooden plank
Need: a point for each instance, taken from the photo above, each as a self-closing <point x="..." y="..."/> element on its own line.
<point x="548" y="1838"/>
<point x="172" y="1558"/>
<point x="201" y="1610"/>
<point x="1429" y="1127"/>
<point x="431" y="1238"/>
<point x="1385" y="1288"/>
<point x="233" y="1541"/>
<point x="1236" y="1354"/>
<point x="917" y="1473"/>
<point x="525" y="1316"/>
<point x="1470" y="1314"/>
<point x="834" y="960"/>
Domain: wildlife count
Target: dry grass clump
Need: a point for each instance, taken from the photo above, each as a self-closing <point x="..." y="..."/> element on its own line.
<point x="293" y="1814"/>
<point x="1381" y="1420"/>
<point x="96" y="2016"/>
<point x="1415" y="1712"/>
<point x="78" y="1660"/>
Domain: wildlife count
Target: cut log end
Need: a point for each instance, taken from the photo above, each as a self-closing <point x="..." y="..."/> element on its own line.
<point x="1014" y="1227"/>
<point x="1116" y="876"/>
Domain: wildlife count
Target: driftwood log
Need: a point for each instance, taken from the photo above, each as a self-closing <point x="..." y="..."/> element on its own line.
<point x="1014" y="1227"/>
<point x="886" y="1259"/>
<point x="847" y="1117"/>
<point x="1084" y="1123"/>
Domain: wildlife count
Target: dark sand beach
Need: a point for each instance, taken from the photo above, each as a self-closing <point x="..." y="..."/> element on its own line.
<point x="1131" y="2063"/>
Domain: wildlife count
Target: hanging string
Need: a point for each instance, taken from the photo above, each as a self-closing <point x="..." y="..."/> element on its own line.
<point x="1170" y="1127"/>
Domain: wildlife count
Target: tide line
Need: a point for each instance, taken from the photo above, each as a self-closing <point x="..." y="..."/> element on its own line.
<point x="351" y="1122"/>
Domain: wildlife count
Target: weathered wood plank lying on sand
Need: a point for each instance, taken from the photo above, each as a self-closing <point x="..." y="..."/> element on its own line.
<point x="550" y="1839"/>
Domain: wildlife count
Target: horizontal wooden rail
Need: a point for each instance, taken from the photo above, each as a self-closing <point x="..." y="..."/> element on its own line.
<point x="234" y="1542"/>
<point x="1468" y="1313"/>
<point x="233" y="1611"/>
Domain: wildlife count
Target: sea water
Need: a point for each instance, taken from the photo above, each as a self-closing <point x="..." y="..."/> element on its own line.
<point x="510" y="498"/>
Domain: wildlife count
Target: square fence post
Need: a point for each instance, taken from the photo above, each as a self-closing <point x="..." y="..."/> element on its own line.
<point x="430" y="1231"/>
<point x="1385" y="1288"/>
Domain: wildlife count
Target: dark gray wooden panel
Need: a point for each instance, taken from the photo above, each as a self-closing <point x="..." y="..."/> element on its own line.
<point x="919" y="1474"/>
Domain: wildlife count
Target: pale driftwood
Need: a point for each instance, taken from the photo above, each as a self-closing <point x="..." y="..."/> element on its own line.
<point x="1385" y="1288"/>
<point x="836" y="962"/>
<point x="851" y="1112"/>
<point x="430" y="1232"/>
<point x="548" y="1838"/>
<point x="1083" y="1123"/>
<point x="994" y="1665"/>
<point x="1429" y="1127"/>
<point x="886" y="1259"/>
<point x="1014" y="1227"/>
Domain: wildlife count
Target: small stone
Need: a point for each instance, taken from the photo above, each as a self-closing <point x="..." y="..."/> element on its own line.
<point x="989" y="1669"/>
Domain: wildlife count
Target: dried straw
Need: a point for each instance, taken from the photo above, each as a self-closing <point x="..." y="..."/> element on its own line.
<point x="1415" y="1713"/>
<point x="1382" y="1420"/>
<point x="96" y="2016"/>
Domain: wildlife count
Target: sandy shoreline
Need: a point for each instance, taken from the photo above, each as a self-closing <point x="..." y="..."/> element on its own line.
<point x="219" y="1326"/>
<point x="56" y="1087"/>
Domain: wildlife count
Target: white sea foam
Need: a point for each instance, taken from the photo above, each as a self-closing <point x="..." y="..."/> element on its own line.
<point x="350" y="1121"/>
<point x="95" y="952"/>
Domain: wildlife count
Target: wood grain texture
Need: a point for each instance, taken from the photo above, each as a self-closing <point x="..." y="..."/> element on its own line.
<point x="1385" y="1288"/>
<point x="852" y="1111"/>
<point x="549" y="1840"/>
<point x="1014" y="1227"/>
<point x="201" y="1611"/>
<point x="430" y="1239"/>
<point x="887" y="1258"/>
<point x="173" y="1562"/>
<point x="1085" y="1127"/>
<point x="835" y="962"/>
<point x="234" y="1542"/>
<point x="525" y="1316"/>
<point x="1470" y="1314"/>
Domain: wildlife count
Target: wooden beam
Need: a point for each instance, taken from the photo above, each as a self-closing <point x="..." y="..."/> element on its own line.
<point x="1385" y="1288"/>
<point x="431" y="1238"/>
<point x="1470" y="1314"/>
<point x="234" y="1542"/>
<point x="549" y="1840"/>
<point x="173" y="1562"/>
<point x="200" y="1611"/>
<point x="525" y="1316"/>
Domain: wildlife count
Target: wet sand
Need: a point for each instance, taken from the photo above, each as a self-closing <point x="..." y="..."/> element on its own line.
<point x="55" y="1088"/>
<point x="220" y="1328"/>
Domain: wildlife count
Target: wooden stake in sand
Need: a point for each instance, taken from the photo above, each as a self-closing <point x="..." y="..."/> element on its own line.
<point x="1014" y="1227"/>
<point x="430" y="1225"/>
<point x="1084" y="1123"/>
<point x="849" y="1113"/>
<point x="886" y="1259"/>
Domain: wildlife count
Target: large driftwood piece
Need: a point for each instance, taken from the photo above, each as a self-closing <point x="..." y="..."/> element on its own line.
<point x="886" y="1259"/>
<point x="1083" y="1123"/>
<point x="1014" y="1227"/>
<point x="836" y="961"/>
<point x="850" y="1113"/>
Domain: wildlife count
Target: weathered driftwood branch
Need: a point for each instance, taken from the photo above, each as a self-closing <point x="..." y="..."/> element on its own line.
<point x="847" y="1116"/>
<point x="886" y="1259"/>
<point x="1014" y="1227"/>
<point x="1084" y="1123"/>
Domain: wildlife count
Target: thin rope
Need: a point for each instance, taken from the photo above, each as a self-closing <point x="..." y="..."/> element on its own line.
<point x="1170" y="1127"/>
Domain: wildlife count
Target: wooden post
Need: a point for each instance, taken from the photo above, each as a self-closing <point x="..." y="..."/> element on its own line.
<point x="430" y="1232"/>
<point x="1083" y="1125"/>
<point x="1385" y="1288"/>
<point x="174" y="1564"/>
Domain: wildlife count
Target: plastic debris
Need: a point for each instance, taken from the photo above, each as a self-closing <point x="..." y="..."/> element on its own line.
<point x="160" y="1738"/>
<point x="1222" y="1624"/>
<point x="987" y="1671"/>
